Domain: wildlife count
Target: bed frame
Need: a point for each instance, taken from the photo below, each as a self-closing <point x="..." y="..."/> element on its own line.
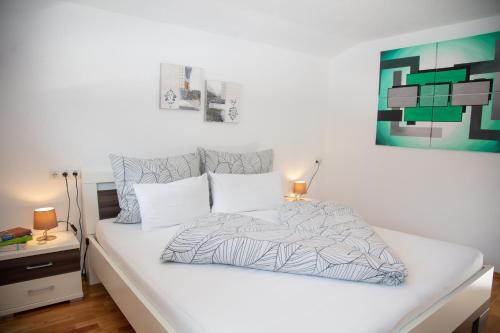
<point x="463" y="310"/>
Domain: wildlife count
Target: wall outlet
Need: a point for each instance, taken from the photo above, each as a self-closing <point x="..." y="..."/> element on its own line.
<point x="58" y="173"/>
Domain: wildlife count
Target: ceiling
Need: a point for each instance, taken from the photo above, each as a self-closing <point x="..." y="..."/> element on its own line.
<point x="319" y="27"/>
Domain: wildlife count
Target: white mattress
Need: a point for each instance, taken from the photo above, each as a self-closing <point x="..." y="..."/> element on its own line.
<point x="219" y="299"/>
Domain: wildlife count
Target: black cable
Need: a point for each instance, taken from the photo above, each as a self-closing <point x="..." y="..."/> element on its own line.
<point x="75" y="230"/>
<point x="84" y="268"/>
<point x="65" y="175"/>
<point x="314" y="175"/>
<point x="79" y="209"/>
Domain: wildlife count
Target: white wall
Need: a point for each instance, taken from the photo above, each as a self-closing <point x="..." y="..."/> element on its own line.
<point x="78" y="83"/>
<point x="449" y="195"/>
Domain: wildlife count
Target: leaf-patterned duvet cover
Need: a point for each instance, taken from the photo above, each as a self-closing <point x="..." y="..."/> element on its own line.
<point x="319" y="238"/>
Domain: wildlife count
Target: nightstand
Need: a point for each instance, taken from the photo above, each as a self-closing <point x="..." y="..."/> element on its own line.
<point x="41" y="274"/>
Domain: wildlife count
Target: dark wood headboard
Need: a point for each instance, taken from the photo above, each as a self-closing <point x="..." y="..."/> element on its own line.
<point x="99" y="198"/>
<point x="107" y="203"/>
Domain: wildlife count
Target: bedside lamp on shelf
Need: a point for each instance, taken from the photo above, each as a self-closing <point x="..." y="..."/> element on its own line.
<point x="45" y="219"/>
<point x="299" y="189"/>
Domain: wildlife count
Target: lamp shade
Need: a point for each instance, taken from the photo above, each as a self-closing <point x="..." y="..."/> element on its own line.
<point x="299" y="187"/>
<point x="44" y="218"/>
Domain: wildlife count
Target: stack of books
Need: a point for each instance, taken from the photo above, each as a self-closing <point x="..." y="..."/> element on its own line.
<point x="14" y="239"/>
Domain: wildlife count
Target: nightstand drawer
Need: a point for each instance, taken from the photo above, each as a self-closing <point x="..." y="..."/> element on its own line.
<point x="26" y="295"/>
<point x="38" y="266"/>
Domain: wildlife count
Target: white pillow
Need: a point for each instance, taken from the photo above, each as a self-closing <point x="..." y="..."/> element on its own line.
<point x="232" y="193"/>
<point x="164" y="205"/>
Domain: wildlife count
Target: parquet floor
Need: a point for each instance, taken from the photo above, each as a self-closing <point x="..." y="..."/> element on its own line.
<point x="98" y="313"/>
<point x="493" y="323"/>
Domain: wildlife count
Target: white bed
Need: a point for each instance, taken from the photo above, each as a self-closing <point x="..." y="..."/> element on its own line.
<point x="448" y="287"/>
<point x="218" y="299"/>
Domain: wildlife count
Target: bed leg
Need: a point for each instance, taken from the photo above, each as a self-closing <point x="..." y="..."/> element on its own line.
<point x="479" y="323"/>
<point x="92" y="277"/>
<point x="476" y="322"/>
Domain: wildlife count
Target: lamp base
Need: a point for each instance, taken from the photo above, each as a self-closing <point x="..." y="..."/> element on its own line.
<point x="45" y="237"/>
<point x="296" y="197"/>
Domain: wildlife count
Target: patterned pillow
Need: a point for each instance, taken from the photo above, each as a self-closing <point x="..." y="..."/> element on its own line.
<point x="236" y="163"/>
<point x="128" y="171"/>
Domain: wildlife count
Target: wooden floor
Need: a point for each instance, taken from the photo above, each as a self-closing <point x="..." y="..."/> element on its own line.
<point x="98" y="313"/>
<point x="493" y="323"/>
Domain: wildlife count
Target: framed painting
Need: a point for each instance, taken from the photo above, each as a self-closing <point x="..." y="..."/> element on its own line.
<point x="443" y="95"/>
<point x="223" y="102"/>
<point x="180" y="87"/>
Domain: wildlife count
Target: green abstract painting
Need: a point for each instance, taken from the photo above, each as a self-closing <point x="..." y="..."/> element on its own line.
<point x="443" y="95"/>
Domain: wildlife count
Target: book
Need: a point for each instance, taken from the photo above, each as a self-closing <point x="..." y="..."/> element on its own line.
<point x="6" y="237"/>
<point x="13" y="247"/>
<point x="18" y="240"/>
<point x="14" y="233"/>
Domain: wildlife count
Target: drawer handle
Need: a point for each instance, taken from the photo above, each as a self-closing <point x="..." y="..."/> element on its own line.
<point x="39" y="266"/>
<point x="31" y="291"/>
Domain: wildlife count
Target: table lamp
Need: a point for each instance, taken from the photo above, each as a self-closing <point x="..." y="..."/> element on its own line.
<point x="45" y="219"/>
<point x="299" y="188"/>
